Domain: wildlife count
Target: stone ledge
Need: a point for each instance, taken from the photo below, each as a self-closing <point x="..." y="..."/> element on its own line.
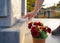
<point x="13" y="34"/>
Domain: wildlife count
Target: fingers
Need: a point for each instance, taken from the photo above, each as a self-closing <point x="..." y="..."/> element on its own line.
<point x="29" y="15"/>
<point x="25" y="16"/>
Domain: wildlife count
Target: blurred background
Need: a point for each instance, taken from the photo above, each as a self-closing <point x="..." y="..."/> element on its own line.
<point x="49" y="9"/>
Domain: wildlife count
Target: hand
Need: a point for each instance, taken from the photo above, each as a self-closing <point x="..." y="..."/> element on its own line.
<point x="29" y="15"/>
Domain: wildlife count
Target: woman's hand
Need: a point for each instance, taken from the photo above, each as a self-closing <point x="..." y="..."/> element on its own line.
<point x="37" y="7"/>
<point x="29" y="15"/>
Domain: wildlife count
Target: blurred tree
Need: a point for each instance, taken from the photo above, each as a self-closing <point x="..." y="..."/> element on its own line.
<point x="58" y="4"/>
<point x="30" y="5"/>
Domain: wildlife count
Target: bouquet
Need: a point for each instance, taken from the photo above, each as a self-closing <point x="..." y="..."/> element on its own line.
<point x="38" y="30"/>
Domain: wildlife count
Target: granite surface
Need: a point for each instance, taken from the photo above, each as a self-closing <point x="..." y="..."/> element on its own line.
<point x="3" y="8"/>
<point x="10" y="11"/>
<point x="12" y="34"/>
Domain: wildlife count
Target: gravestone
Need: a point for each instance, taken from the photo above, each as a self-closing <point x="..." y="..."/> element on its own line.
<point x="10" y="11"/>
<point x="11" y="30"/>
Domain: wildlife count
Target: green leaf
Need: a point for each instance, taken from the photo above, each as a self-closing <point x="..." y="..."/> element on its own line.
<point x="43" y="35"/>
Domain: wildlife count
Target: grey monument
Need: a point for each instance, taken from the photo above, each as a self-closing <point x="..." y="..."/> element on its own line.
<point x="11" y="31"/>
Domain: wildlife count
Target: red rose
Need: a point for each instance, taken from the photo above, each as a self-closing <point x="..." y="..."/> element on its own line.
<point x="38" y="23"/>
<point x="29" y="25"/>
<point x="44" y="29"/>
<point x="34" y="32"/>
<point x="49" y="30"/>
<point x="34" y="27"/>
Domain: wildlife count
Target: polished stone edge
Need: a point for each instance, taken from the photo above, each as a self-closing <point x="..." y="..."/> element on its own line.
<point x="9" y="37"/>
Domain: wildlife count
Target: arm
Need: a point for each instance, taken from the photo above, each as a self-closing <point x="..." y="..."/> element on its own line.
<point x="38" y="4"/>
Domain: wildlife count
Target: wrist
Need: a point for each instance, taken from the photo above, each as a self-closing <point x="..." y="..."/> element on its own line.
<point x="35" y="12"/>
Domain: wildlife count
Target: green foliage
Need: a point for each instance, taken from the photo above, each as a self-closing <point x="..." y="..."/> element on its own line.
<point x="29" y="5"/>
<point x="43" y="35"/>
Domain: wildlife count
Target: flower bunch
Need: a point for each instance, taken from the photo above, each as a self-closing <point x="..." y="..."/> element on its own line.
<point x="38" y="30"/>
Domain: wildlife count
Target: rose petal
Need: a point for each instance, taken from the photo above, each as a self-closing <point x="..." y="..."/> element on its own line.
<point x="49" y="30"/>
